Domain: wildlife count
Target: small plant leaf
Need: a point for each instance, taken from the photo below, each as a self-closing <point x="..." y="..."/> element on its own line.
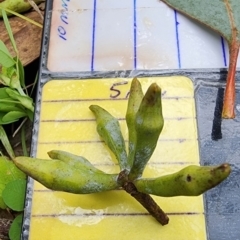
<point x="13" y="116"/>
<point x="8" y="106"/>
<point x="15" y="82"/>
<point x="8" y="172"/>
<point x="222" y="17"/>
<point x="20" y="73"/>
<point x="134" y="101"/>
<point x="9" y="30"/>
<point x="30" y="114"/>
<point x="2" y="122"/>
<point x="9" y="72"/>
<point x="14" y="75"/>
<point x="21" y="6"/>
<point x="3" y="93"/>
<point x="109" y="130"/>
<point x="14" y="194"/>
<point x="16" y="228"/>
<point x="26" y="101"/>
<point x="4" y="79"/>
<point x="6" y="60"/>
<point x="6" y="144"/>
<point x="4" y="49"/>
<point x="2" y="203"/>
<point x="23" y="140"/>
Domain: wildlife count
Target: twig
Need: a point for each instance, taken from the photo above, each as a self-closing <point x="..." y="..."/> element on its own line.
<point x="144" y="199"/>
<point x="17" y="130"/>
<point x="35" y="7"/>
<point x="147" y="202"/>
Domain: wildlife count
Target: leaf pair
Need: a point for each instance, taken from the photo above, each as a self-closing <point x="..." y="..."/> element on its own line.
<point x="145" y="122"/>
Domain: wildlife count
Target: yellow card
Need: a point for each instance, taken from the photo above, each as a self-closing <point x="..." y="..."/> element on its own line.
<point x="66" y="123"/>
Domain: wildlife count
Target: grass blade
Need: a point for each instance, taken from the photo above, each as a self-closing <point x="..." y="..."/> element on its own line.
<point x="34" y="84"/>
<point x="23" y="17"/>
<point x="5" y="141"/>
<point x="4" y="48"/>
<point x="23" y="141"/>
<point x="21" y="75"/>
<point x="9" y="30"/>
<point x="6" y="60"/>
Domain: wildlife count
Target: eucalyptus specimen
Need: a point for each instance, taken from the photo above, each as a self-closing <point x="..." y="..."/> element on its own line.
<point x="75" y="174"/>
<point x="222" y="17"/>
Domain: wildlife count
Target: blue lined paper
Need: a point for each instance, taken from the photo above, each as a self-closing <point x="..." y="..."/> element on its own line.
<point x="106" y="35"/>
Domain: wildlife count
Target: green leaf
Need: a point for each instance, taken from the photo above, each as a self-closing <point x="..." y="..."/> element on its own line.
<point x="2" y="203"/>
<point x="3" y="93"/>
<point x="23" y="141"/>
<point x="6" y="144"/>
<point x="14" y="194"/>
<point x="7" y="107"/>
<point x="11" y="76"/>
<point x="8" y="172"/>
<point x="6" y="60"/>
<point x="21" y="75"/>
<point x="16" y="228"/>
<point x="9" y="72"/>
<point x="15" y="83"/>
<point x="224" y="18"/>
<point x="9" y="30"/>
<point x="26" y="101"/>
<point x="12" y="116"/>
<point x="30" y="114"/>
<point x="12" y="7"/>
<point x="214" y="14"/>
<point x="2" y="122"/>
<point x="11" y="101"/>
<point x="5" y="80"/>
<point x="4" y="48"/>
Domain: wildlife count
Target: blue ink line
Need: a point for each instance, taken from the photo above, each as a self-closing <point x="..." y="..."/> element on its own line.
<point x="177" y="39"/>
<point x="93" y="34"/>
<point x="224" y="52"/>
<point x="135" y="33"/>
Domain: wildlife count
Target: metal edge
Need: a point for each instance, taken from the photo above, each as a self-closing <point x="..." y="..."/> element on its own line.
<point x="29" y="188"/>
